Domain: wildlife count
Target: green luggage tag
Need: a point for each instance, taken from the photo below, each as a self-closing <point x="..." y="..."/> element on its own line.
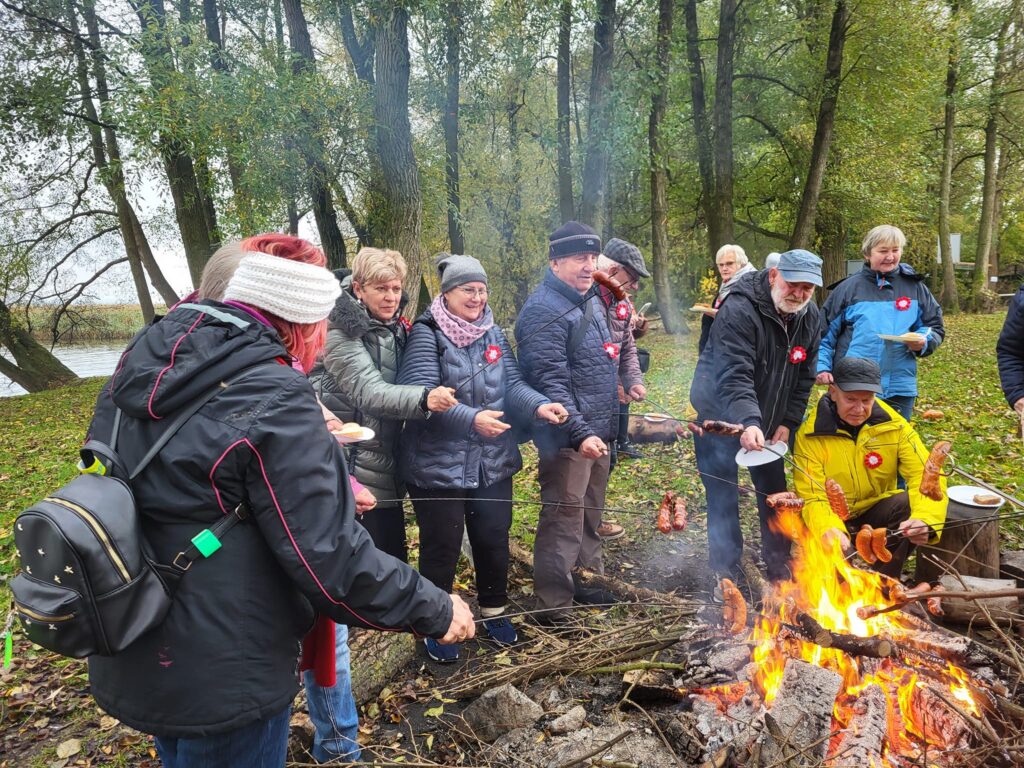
<point x="206" y="542"/>
<point x="8" y="649"/>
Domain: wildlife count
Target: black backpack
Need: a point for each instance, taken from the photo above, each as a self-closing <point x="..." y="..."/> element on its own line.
<point x="88" y="583"/>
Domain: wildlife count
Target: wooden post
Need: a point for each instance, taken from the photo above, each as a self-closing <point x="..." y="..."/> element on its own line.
<point x="978" y="540"/>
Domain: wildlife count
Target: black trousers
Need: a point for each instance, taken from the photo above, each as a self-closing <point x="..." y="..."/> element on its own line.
<point x="888" y="513"/>
<point x="441" y="524"/>
<point x="386" y="526"/>
<point x="716" y="461"/>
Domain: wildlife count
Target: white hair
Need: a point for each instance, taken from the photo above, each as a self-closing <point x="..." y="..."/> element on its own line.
<point x="735" y="250"/>
<point x="883" y="234"/>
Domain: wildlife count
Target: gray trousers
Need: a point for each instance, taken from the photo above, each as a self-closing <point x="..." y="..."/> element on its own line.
<point x="572" y="490"/>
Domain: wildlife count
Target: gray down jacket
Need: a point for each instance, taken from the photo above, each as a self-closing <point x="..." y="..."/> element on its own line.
<point x="584" y="379"/>
<point x="357" y="382"/>
<point x="445" y="451"/>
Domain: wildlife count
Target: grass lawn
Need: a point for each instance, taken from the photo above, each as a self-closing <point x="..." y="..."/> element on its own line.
<point x="44" y="700"/>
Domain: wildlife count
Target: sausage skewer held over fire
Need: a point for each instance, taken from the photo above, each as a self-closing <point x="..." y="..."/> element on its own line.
<point x="734" y="608"/>
<point x="602" y="278"/>
<point x="933" y="470"/>
<point x="664" y="513"/>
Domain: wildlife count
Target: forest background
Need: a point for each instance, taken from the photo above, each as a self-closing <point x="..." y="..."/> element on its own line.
<point x="478" y="126"/>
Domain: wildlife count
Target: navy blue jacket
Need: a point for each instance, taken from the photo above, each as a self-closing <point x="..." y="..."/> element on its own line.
<point x="756" y="370"/>
<point x="585" y="381"/>
<point x="1010" y="350"/>
<point x="445" y="451"/>
<point x="225" y="656"/>
<point x="869" y="303"/>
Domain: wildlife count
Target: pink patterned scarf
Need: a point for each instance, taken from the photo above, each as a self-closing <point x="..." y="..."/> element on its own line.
<point x="460" y="332"/>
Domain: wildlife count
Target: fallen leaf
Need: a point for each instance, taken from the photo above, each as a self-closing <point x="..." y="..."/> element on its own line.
<point x="107" y="722"/>
<point x="435" y="711"/>
<point x="68" y="748"/>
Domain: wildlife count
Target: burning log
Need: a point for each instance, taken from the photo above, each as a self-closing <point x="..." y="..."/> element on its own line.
<point x="861" y="742"/>
<point x="935" y="720"/>
<point x="801" y="716"/>
<point x="876" y="647"/>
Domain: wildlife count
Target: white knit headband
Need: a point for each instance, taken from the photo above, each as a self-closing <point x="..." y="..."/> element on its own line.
<point x="292" y="290"/>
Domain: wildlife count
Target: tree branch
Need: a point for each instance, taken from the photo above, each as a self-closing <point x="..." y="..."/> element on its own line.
<point x="762" y="231"/>
<point x="769" y="79"/>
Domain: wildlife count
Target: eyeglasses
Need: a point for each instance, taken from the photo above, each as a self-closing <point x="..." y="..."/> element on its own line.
<point x="472" y="293"/>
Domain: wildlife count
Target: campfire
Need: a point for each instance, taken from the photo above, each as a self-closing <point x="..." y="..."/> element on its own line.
<point x="832" y="678"/>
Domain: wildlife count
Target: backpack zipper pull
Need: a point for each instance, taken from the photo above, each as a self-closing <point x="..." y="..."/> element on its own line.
<point x="8" y="640"/>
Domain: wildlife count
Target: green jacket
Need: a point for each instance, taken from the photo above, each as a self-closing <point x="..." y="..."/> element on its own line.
<point x="356" y="381"/>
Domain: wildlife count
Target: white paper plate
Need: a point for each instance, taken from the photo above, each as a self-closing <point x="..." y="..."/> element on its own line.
<point x="658" y="418"/>
<point x="965" y="494"/>
<point x="747" y="458"/>
<point x="908" y="336"/>
<point x="366" y="434"/>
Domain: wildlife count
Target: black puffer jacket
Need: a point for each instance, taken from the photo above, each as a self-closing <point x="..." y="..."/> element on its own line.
<point x="226" y="654"/>
<point x="1010" y="350"/>
<point x="756" y="370"/>
<point x="584" y="380"/>
<point x="446" y="451"/>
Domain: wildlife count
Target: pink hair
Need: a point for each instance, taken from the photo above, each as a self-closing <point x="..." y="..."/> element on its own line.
<point x="304" y="341"/>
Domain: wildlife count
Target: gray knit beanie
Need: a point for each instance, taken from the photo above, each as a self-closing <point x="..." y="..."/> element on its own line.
<point x="457" y="269"/>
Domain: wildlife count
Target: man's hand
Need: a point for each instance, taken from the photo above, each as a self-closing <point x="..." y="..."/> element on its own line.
<point x="916" y="345"/>
<point x="752" y="439"/>
<point x="440" y="399"/>
<point x="623" y="398"/>
<point x="593" y="448"/>
<point x="462" y="627"/>
<point x="489" y="424"/>
<point x="781" y="435"/>
<point x="365" y="501"/>
<point x="835" y="534"/>
<point x="639" y="324"/>
<point x="915" y="530"/>
<point x="1019" y="407"/>
<point x="553" y="413"/>
<point x="825" y="377"/>
<point x="638" y="392"/>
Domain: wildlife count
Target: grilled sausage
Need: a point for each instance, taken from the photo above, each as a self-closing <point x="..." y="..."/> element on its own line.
<point x="878" y="536"/>
<point x="602" y="278"/>
<point x="734" y="610"/>
<point x="837" y="499"/>
<point x="785" y="500"/>
<point x="721" y="427"/>
<point x="863" y="544"/>
<point x="679" y="513"/>
<point x="933" y="470"/>
<point x="664" y="513"/>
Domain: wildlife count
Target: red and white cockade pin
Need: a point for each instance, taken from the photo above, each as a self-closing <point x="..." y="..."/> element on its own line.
<point x="797" y="355"/>
<point x="404" y="322"/>
<point x="622" y="310"/>
<point x="492" y="354"/>
<point x="612" y="350"/>
<point x="873" y="460"/>
<point x="903" y="303"/>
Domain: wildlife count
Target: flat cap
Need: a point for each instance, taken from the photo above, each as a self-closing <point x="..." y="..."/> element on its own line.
<point x="626" y="254"/>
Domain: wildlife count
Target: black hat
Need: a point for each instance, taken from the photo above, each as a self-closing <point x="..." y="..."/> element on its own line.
<point x="626" y="254"/>
<point x="572" y="238"/>
<point x="855" y="374"/>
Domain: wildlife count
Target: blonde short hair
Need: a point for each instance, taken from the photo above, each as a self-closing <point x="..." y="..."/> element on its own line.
<point x="219" y="269"/>
<point x="883" y="234"/>
<point x="735" y="250"/>
<point x="378" y="265"/>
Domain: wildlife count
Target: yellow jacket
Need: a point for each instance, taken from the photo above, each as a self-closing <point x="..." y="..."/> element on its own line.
<point x="866" y="468"/>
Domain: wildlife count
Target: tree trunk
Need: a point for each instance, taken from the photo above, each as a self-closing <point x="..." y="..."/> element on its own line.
<point x="311" y="147"/>
<point x="804" y="228"/>
<point x="595" y="166"/>
<point x="659" y="174"/>
<point x="35" y="368"/>
<point x="988" y="194"/>
<point x="949" y="296"/>
<point x="566" y="205"/>
<point x="452" y="34"/>
<point x="723" y="123"/>
<point x="191" y="207"/>
<point x="395" y="210"/>
<point x="701" y="127"/>
<point x="997" y="207"/>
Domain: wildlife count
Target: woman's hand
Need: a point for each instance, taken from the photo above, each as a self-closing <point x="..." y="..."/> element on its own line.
<point x="825" y="377"/>
<point x="916" y="345"/>
<point x="440" y="399"/>
<point x="365" y="501"/>
<point x="553" y="413"/>
<point x="333" y="422"/>
<point x="462" y="627"/>
<point x="488" y="423"/>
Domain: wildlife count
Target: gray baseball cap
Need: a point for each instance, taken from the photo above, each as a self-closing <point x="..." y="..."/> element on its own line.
<point x="800" y="266"/>
<point x="856" y="374"/>
<point x="626" y="254"/>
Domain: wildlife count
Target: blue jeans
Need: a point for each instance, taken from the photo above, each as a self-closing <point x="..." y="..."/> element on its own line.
<point x="263" y="744"/>
<point x="716" y="460"/>
<point x="333" y="710"/>
<point x="902" y="404"/>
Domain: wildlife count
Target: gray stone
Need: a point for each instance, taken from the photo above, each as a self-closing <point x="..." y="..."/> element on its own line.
<point x="570" y="721"/>
<point x="501" y="710"/>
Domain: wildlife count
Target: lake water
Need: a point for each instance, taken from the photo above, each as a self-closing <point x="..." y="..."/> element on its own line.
<point x="98" y="358"/>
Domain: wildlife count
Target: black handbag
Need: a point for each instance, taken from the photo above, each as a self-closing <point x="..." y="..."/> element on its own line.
<point x="88" y="584"/>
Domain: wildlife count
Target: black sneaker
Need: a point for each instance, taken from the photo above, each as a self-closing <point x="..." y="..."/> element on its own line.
<point x="627" y="449"/>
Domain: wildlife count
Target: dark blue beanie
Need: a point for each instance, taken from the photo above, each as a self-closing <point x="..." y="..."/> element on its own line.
<point x="572" y="238"/>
